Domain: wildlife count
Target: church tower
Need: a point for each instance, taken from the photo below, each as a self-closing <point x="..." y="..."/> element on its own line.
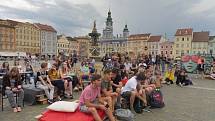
<point x="125" y="32"/>
<point x="108" y="31"/>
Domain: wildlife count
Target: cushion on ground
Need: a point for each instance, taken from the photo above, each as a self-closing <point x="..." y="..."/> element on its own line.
<point x="65" y="116"/>
<point x="63" y="106"/>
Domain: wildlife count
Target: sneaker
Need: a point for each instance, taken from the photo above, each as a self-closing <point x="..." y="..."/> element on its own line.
<point x="15" y="110"/>
<point x="147" y="109"/>
<point x="19" y="109"/>
<point x="75" y="89"/>
<point x="50" y="101"/>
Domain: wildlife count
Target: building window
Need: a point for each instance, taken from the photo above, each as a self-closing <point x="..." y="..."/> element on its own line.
<point x="183" y="39"/>
<point x="187" y="51"/>
<point x="166" y="52"/>
<point x="161" y="46"/>
<point x="177" y="52"/>
<point x="177" y="39"/>
<point x="187" y="39"/>
<point x="177" y="45"/>
<point x="182" y="51"/>
<point x="182" y="45"/>
<point x="170" y="52"/>
<point x="166" y="46"/>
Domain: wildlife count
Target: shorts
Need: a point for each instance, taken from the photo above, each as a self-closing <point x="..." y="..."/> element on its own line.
<point x="126" y="95"/>
<point x="83" y="108"/>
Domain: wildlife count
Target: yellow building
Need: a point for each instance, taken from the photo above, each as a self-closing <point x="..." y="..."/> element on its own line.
<point x="138" y="44"/>
<point x="200" y="42"/>
<point x="182" y="42"/>
<point x="73" y="46"/>
<point x="84" y="43"/>
<point x="27" y="37"/>
<point x="7" y="37"/>
<point x="62" y="44"/>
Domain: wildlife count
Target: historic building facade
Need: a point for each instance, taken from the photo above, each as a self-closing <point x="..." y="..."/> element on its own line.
<point x="138" y="44"/>
<point x="154" y="45"/>
<point x="182" y="42"/>
<point x="7" y="37"/>
<point x="109" y="43"/>
<point x="48" y="39"/>
<point x="166" y="48"/>
<point x="200" y="42"/>
<point x="62" y="44"/>
<point x="83" y="48"/>
<point x="211" y="45"/>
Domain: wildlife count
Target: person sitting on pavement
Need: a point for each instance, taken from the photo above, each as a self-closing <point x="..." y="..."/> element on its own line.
<point x="183" y="79"/>
<point x="169" y="76"/>
<point x="91" y="100"/>
<point x="46" y="84"/>
<point x="106" y="88"/>
<point x="12" y="84"/>
<point x="64" y="72"/>
<point x="158" y="80"/>
<point x="133" y="89"/>
<point x="56" y="80"/>
<point x="212" y="75"/>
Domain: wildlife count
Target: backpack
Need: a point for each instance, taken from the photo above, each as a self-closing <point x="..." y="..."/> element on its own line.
<point x="156" y="99"/>
<point x="124" y="115"/>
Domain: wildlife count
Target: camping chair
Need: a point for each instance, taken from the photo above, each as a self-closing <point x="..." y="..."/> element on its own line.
<point x="3" y="96"/>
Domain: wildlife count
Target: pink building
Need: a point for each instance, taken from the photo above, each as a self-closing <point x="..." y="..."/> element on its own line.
<point x="166" y="48"/>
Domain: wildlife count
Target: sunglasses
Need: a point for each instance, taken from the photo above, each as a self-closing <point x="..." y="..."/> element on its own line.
<point x="193" y="58"/>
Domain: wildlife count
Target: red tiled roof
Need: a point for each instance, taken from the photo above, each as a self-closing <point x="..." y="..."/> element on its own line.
<point x="140" y="35"/>
<point x="154" y="38"/>
<point x="184" y="32"/>
<point x="201" y="36"/>
<point x="45" y="27"/>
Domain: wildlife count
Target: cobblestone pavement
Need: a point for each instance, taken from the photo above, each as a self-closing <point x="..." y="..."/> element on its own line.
<point x="195" y="103"/>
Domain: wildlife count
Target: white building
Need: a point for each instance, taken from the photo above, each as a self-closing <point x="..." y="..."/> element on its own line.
<point x="154" y="43"/>
<point x="211" y="46"/>
<point x="48" y="39"/>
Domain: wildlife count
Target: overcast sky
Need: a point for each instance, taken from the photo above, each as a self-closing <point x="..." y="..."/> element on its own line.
<point x="75" y="17"/>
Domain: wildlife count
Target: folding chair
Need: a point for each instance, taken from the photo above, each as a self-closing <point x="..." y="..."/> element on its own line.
<point x="3" y="96"/>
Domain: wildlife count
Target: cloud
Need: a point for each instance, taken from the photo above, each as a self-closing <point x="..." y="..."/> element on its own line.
<point x="67" y="18"/>
<point x="75" y="17"/>
<point x="202" y="6"/>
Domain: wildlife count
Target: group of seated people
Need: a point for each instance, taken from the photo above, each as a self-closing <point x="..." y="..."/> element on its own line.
<point x="106" y="92"/>
<point x="61" y="77"/>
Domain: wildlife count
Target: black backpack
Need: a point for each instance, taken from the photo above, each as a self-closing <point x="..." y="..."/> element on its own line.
<point x="156" y="99"/>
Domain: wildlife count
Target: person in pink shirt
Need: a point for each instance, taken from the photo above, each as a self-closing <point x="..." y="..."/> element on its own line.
<point x="91" y="100"/>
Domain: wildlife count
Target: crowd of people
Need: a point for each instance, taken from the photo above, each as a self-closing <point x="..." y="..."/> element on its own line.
<point x="120" y="79"/>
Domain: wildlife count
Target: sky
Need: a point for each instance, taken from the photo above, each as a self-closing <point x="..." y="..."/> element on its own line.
<point x="75" y="17"/>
